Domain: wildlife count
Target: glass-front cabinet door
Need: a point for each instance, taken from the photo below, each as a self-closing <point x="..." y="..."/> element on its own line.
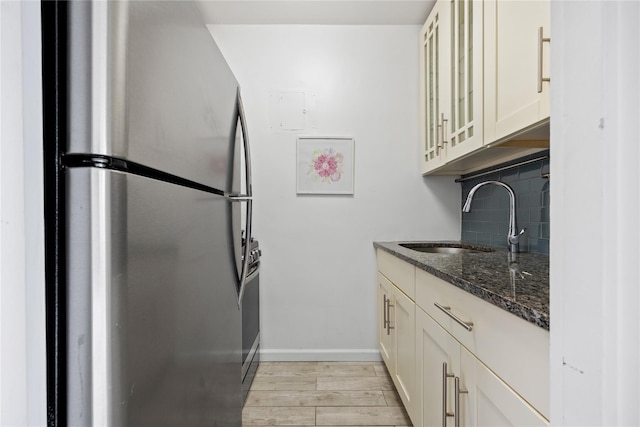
<point x="451" y="82"/>
<point x="434" y="75"/>
<point x="465" y="133"/>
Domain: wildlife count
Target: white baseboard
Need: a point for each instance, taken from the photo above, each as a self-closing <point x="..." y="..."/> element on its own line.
<point x="320" y="355"/>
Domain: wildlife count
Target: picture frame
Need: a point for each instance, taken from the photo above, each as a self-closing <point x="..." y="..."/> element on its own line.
<point x="325" y="165"/>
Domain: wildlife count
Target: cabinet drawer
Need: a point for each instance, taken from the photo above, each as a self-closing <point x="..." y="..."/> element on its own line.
<point x="516" y="350"/>
<point x="400" y="273"/>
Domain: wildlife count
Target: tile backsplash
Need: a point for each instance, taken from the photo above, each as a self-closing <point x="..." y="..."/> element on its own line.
<point x="488" y="221"/>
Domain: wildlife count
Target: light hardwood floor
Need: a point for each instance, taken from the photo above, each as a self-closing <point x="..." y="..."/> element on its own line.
<point x="338" y="394"/>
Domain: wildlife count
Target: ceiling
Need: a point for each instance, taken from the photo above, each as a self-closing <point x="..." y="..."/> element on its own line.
<point x="320" y="12"/>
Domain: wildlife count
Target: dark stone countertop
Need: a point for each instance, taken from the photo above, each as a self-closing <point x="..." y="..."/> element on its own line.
<point x="521" y="288"/>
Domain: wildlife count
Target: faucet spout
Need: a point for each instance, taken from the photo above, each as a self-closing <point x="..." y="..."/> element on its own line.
<point x="514" y="236"/>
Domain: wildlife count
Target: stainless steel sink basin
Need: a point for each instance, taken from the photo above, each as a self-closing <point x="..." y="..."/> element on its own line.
<point x="445" y="248"/>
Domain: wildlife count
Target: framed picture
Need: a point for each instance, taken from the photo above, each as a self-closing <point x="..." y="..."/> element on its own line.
<point x="324" y="165"/>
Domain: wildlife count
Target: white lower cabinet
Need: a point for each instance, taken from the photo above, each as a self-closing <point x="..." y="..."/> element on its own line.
<point x="396" y="337"/>
<point x="455" y="359"/>
<point x="386" y="340"/>
<point x="403" y="320"/>
<point x="437" y="360"/>
<point x="455" y="389"/>
<point x="497" y="404"/>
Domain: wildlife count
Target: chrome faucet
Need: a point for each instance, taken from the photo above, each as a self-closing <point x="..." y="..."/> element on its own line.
<point x="513" y="237"/>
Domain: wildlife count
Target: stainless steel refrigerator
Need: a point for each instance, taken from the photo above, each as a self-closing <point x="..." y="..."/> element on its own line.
<point x="148" y="206"/>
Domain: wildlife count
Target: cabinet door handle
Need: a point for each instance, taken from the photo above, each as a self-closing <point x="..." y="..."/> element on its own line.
<point x="467" y="325"/>
<point x="384" y="312"/>
<point x="445" y="376"/>
<point x="389" y="327"/>
<point x="440" y="139"/>
<point x="541" y="41"/>
<point x="444" y="128"/>
<point x="458" y="392"/>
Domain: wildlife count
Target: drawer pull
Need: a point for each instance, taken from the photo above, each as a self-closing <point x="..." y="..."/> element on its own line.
<point x="467" y="325"/>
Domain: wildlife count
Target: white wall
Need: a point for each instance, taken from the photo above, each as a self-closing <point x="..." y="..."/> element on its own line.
<point x="318" y="276"/>
<point x="22" y="334"/>
<point x="595" y="212"/>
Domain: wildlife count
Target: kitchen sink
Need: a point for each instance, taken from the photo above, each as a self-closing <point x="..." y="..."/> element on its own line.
<point x="445" y="248"/>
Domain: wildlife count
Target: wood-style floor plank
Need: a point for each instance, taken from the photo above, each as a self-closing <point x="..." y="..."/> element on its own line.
<point x="354" y="383"/>
<point x="316" y="398"/>
<point x="283" y="383"/>
<point x="286" y="416"/>
<point x="323" y="394"/>
<point x="353" y="416"/>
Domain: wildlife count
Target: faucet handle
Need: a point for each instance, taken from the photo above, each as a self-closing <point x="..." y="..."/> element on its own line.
<point x="515" y="239"/>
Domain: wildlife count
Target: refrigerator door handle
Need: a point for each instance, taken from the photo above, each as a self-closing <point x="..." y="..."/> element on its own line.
<point x="245" y="198"/>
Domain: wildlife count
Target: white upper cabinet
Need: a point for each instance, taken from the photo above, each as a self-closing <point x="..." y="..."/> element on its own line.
<point x="451" y="82"/>
<point x="434" y="85"/>
<point x="516" y="61"/>
<point x="484" y="76"/>
<point x="464" y="133"/>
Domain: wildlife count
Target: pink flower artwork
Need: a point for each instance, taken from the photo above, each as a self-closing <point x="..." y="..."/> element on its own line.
<point x="326" y="165"/>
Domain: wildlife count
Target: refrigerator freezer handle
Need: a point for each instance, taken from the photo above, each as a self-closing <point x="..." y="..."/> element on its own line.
<point x="239" y="197"/>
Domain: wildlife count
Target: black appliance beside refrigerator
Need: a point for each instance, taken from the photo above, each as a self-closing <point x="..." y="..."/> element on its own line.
<point x="147" y="196"/>
<point x="251" y="321"/>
